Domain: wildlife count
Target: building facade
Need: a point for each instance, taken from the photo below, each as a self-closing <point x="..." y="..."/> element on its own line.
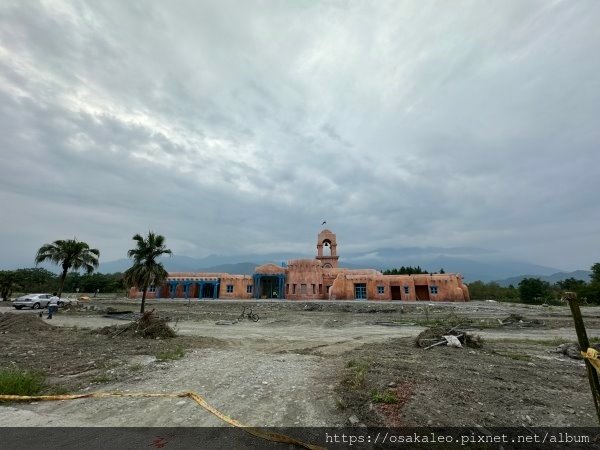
<point x="312" y="279"/>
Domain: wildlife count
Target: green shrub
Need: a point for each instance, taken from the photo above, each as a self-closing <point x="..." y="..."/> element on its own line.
<point x="357" y="373"/>
<point x="172" y="354"/>
<point x="384" y="397"/>
<point x="101" y="378"/>
<point x="15" y="381"/>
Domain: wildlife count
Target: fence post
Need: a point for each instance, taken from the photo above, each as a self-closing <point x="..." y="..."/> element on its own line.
<point x="584" y="343"/>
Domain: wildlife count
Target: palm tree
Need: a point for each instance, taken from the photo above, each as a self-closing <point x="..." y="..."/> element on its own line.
<point x="69" y="254"/>
<point x="146" y="270"/>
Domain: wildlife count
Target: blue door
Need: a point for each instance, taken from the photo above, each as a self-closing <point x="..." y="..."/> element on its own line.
<point x="360" y="291"/>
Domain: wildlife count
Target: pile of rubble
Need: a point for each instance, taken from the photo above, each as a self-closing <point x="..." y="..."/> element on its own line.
<point x="148" y="326"/>
<point x="516" y="320"/>
<point x="451" y="337"/>
<point x="571" y="349"/>
<point x="122" y="315"/>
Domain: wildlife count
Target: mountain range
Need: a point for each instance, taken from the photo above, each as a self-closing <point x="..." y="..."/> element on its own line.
<point x="554" y="278"/>
<point x="473" y="263"/>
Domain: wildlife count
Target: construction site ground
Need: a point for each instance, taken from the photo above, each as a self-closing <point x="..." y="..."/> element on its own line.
<point x="303" y="364"/>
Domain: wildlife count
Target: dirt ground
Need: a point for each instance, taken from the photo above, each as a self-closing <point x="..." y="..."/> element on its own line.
<point x="304" y="364"/>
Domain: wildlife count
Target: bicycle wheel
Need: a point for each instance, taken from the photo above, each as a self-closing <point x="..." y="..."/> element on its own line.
<point x="254" y="317"/>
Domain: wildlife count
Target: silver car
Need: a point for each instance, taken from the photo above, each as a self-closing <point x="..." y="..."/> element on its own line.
<point x="35" y="301"/>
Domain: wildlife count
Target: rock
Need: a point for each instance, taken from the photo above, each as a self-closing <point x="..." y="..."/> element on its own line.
<point x="392" y="384"/>
<point x="353" y="419"/>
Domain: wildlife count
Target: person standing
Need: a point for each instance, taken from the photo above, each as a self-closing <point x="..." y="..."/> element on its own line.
<point x="52" y="305"/>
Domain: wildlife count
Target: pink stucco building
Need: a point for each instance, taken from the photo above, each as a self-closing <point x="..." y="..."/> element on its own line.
<point x="312" y="279"/>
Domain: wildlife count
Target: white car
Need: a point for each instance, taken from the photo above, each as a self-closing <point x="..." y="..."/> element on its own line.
<point x="34" y="301"/>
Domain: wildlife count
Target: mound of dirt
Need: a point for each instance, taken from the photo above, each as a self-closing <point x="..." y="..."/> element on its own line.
<point x="22" y="322"/>
<point x="149" y="326"/>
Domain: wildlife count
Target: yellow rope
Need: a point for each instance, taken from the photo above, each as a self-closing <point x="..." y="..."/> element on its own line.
<point x="275" y="437"/>
<point x="592" y="356"/>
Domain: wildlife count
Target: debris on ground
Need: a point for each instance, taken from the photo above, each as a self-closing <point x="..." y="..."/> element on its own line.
<point x="148" y="326"/>
<point x="313" y="307"/>
<point x="390" y="323"/>
<point x="21" y="322"/>
<point x="226" y="322"/>
<point x="452" y="337"/>
<point x="123" y="315"/>
<point x="571" y="349"/>
<point x="517" y="320"/>
<point x="373" y="310"/>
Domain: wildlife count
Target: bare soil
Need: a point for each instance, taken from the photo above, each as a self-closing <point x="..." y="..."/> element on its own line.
<point x="297" y="366"/>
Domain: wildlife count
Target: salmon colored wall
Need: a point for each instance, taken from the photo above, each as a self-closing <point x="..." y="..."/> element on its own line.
<point x="309" y="272"/>
<point x="239" y="283"/>
<point x="316" y="278"/>
<point x="304" y="271"/>
<point x="449" y="286"/>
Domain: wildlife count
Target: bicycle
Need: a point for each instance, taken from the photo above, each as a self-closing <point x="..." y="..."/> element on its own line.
<point x="250" y="316"/>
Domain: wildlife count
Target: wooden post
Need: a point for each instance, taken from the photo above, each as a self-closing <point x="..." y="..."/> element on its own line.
<point x="584" y="343"/>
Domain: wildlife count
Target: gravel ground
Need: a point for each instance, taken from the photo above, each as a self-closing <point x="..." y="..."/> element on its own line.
<point x="289" y="368"/>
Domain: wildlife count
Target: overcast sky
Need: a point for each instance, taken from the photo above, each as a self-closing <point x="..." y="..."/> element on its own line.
<point x="239" y="126"/>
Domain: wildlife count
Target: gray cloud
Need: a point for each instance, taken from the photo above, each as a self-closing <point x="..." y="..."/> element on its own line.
<point x="237" y="127"/>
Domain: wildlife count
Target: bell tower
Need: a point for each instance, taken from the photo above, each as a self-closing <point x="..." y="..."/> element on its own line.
<point x="326" y="239"/>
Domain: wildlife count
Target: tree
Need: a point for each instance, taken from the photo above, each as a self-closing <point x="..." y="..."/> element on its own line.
<point x="570" y="284"/>
<point x="478" y="290"/>
<point x="591" y="291"/>
<point x="8" y="280"/>
<point x="595" y="275"/>
<point x="533" y="290"/>
<point x="409" y="270"/>
<point x="146" y="270"/>
<point x="69" y="254"/>
<point x="34" y="280"/>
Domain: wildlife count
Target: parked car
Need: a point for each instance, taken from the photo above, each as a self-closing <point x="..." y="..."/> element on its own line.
<point x="34" y="301"/>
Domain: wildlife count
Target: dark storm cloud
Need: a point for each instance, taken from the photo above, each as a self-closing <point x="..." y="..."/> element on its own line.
<point x="235" y="127"/>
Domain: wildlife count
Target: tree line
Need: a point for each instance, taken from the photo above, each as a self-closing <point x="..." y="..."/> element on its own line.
<point x="408" y="270"/>
<point x="41" y="280"/>
<point x="535" y="290"/>
<point x="73" y="256"/>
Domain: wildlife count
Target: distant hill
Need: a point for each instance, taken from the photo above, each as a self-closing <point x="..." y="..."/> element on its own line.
<point x="554" y="278"/>
<point x="477" y="267"/>
<point x="472" y="263"/>
<point x="245" y="268"/>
